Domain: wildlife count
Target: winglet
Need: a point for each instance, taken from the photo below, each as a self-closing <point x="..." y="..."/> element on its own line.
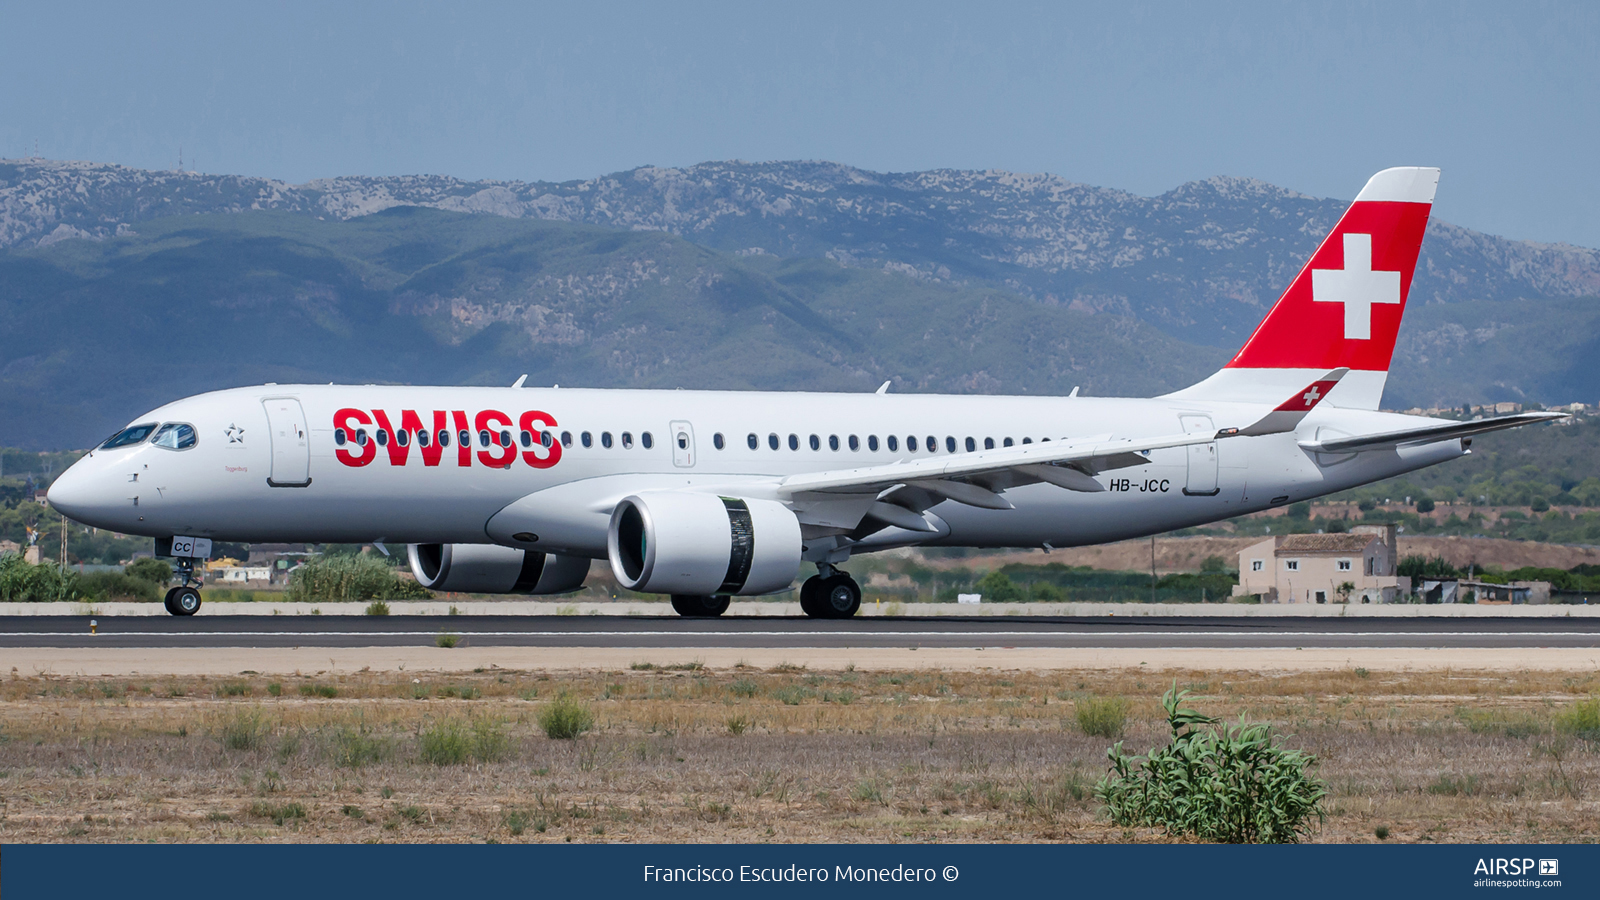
<point x="882" y="388"/>
<point x="519" y="382"/>
<point x="1287" y="415"/>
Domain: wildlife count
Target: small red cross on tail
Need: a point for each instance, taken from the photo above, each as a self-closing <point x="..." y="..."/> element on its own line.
<point x="1344" y="308"/>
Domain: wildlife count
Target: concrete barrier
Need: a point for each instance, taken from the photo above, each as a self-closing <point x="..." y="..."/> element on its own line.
<point x="787" y="608"/>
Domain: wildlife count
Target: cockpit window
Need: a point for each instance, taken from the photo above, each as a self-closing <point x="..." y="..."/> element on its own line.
<point x="175" y="436"/>
<point x="133" y="434"/>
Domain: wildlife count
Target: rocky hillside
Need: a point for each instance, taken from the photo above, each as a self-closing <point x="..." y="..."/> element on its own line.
<point x="1201" y="262"/>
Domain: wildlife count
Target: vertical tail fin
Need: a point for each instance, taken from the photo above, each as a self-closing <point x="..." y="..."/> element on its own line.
<point x="1344" y="308"/>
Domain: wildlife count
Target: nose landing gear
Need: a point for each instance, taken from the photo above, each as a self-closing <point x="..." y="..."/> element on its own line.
<point x="184" y="600"/>
<point x="830" y="594"/>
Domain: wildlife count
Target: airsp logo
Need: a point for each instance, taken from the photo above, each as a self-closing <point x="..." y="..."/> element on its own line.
<point x="1549" y="867"/>
<point x="1356" y="286"/>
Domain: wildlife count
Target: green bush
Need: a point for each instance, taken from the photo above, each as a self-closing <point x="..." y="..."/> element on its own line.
<point x="1581" y="719"/>
<point x="154" y="571"/>
<point x="244" y="730"/>
<point x="997" y="587"/>
<point x="565" y="719"/>
<point x="1235" y="785"/>
<point x="350" y="579"/>
<point x="377" y="608"/>
<point x="452" y="742"/>
<point x="1103" y="717"/>
<point x="356" y="747"/>
<point x="23" y="582"/>
<point x="107" y="586"/>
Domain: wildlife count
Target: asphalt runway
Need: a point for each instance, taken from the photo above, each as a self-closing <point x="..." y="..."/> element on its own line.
<point x="155" y="632"/>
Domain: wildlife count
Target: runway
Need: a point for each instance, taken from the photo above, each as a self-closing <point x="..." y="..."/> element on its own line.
<point x="261" y="632"/>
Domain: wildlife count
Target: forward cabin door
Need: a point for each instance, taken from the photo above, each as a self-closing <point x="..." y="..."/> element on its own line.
<point x="1202" y="480"/>
<point x="291" y="451"/>
<point x="682" y="445"/>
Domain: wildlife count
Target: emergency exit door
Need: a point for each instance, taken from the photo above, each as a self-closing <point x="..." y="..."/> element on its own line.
<point x="682" y="445"/>
<point x="1202" y="480"/>
<point x="291" y="451"/>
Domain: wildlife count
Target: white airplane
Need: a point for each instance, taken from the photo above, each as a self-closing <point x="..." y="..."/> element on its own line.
<point x="703" y="495"/>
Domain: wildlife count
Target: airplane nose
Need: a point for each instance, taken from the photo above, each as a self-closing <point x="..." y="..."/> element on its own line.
<point x="71" y="492"/>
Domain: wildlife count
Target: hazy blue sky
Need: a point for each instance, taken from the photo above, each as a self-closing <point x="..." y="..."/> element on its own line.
<point x="1315" y="97"/>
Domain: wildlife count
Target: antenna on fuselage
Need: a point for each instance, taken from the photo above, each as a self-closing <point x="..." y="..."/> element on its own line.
<point x="882" y="388"/>
<point x="519" y="381"/>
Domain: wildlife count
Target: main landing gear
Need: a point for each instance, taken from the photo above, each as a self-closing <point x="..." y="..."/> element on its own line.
<point x="700" y="606"/>
<point x="830" y="594"/>
<point x="184" y="600"/>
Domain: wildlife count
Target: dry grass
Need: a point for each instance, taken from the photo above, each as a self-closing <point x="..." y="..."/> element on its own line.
<point x="742" y="755"/>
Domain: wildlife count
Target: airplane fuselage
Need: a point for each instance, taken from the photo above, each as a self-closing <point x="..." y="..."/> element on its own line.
<point x="351" y="475"/>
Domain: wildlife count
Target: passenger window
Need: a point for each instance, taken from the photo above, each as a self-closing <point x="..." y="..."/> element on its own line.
<point x="627" y="440"/>
<point x="894" y="444"/>
<point x="133" y="434"/>
<point x="988" y="443"/>
<point x="933" y="444"/>
<point x="971" y="445"/>
<point x="465" y="437"/>
<point x="422" y="439"/>
<point x="547" y="439"/>
<point x="855" y="443"/>
<point x="444" y="438"/>
<point x="587" y="439"/>
<point x="772" y="440"/>
<point x="815" y="444"/>
<point x="753" y="441"/>
<point x="527" y="439"/>
<point x="605" y="439"/>
<point x="383" y="437"/>
<point x="402" y="438"/>
<point x="361" y="436"/>
<point x="646" y="440"/>
<point x="1006" y="442"/>
<point x="716" y="441"/>
<point x="483" y="438"/>
<point x="872" y="443"/>
<point x="175" y="436"/>
<point x="566" y="439"/>
<point x="794" y="442"/>
<point x="338" y="436"/>
<point x="833" y="442"/>
<point x="505" y="438"/>
<point x="1027" y="440"/>
<point x="911" y="443"/>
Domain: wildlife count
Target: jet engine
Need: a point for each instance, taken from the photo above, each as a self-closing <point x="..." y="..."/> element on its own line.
<point x="493" y="569"/>
<point x="680" y="542"/>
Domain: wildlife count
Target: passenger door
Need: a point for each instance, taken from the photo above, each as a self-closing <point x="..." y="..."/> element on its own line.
<point x="1202" y="481"/>
<point x="291" y="451"/>
<point x="682" y="445"/>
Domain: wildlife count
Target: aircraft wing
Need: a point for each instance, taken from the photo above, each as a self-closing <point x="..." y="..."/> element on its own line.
<point x="1427" y="434"/>
<point x="961" y="477"/>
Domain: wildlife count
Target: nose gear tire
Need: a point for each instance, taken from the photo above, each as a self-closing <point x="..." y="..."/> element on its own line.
<point x="182" y="601"/>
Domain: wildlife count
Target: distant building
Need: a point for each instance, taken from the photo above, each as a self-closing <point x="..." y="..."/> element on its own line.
<point x="246" y="574"/>
<point x="1313" y="568"/>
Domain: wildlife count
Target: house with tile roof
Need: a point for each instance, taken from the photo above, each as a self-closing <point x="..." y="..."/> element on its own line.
<point x="1358" y="567"/>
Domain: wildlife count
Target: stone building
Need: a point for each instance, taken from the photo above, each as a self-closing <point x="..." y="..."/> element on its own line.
<point x="1358" y="567"/>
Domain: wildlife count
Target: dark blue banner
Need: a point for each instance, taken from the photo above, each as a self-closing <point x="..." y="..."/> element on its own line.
<point x="442" y="872"/>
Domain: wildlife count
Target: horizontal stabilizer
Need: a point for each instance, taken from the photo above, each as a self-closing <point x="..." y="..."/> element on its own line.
<point x="1287" y="415"/>
<point x="1426" y="435"/>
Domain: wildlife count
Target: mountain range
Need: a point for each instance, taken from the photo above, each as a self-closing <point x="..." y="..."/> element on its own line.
<point x="725" y="274"/>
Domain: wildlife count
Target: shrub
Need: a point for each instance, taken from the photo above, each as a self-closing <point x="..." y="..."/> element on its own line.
<point x="377" y="608"/>
<point x="244" y="730"/>
<point x="1103" y="717"/>
<point x="278" y="813"/>
<point x="997" y="587"/>
<point x="1424" y="505"/>
<point x="564" y="719"/>
<point x="326" y="691"/>
<point x="1581" y="719"/>
<point x="447" y="640"/>
<point x="1235" y="784"/>
<point x="738" y="725"/>
<point x="744" y="687"/>
<point x="351" y="579"/>
<point x="154" y="571"/>
<point x="452" y="742"/>
<point x="108" y="586"/>
<point x="23" y="582"/>
<point x="356" y="747"/>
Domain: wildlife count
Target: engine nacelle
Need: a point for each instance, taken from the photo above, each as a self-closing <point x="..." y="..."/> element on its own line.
<point x="493" y="569"/>
<point x="680" y="542"/>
